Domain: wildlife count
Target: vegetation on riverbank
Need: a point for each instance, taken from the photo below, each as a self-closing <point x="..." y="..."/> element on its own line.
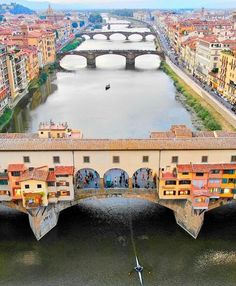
<point x="72" y="45"/>
<point x="5" y="118"/>
<point x="211" y="119"/>
<point x="43" y="76"/>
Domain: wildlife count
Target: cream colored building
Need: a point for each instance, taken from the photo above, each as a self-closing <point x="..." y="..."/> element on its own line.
<point x="227" y="75"/>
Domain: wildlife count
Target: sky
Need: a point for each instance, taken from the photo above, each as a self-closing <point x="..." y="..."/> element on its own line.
<point x="139" y="3"/>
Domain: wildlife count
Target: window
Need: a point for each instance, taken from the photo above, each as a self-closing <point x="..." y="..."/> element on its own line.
<point x="184" y="182"/>
<point x="51" y="169"/>
<point x="39" y="186"/>
<point x="86" y="159"/>
<point x="204" y="159"/>
<point x="224" y="181"/>
<point x="199" y="174"/>
<point x="229" y="172"/>
<point x="169" y="193"/>
<point x="214" y="190"/>
<point x="232" y="181"/>
<point x="56" y="159"/>
<point x="51" y="184"/>
<point x="27" y="187"/>
<point x="183" y="192"/>
<point x="145" y="159"/>
<point x="214" y="181"/>
<point x="215" y="171"/>
<point x="15" y="174"/>
<point x="170" y="182"/>
<point x="116" y="159"/>
<point x="233" y="158"/>
<point x="41" y="132"/>
<point x="26" y="159"/>
<point x="185" y="173"/>
<point x="3" y="182"/>
<point x="175" y="159"/>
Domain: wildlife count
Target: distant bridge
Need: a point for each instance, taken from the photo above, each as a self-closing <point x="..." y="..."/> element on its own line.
<point x="117" y="23"/>
<point x="130" y="55"/>
<point x="126" y="34"/>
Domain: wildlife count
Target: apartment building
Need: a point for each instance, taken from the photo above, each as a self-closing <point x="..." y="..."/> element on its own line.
<point x="227" y="75"/>
<point x="17" y="71"/>
<point x="4" y="80"/>
<point x="207" y="57"/>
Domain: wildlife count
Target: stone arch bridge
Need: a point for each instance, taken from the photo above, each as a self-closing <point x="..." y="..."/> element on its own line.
<point x="126" y="34"/>
<point x="130" y="55"/>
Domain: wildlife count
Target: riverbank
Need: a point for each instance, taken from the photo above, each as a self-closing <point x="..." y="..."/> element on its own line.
<point x="72" y="45"/>
<point x="207" y="117"/>
<point x="6" y="117"/>
<point x="35" y="84"/>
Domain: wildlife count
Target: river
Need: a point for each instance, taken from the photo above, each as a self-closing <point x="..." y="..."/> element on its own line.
<point x="139" y="101"/>
<point x="92" y="245"/>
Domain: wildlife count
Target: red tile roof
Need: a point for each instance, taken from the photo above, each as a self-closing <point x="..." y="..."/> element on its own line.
<point x="64" y="170"/>
<point x="35" y="174"/>
<point x="51" y="176"/>
<point x="16" y="168"/>
<point x="204" y="167"/>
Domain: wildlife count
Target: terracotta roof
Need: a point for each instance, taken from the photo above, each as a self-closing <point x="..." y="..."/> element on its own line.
<point x="204" y="167"/>
<point x="64" y="170"/>
<point x="51" y="176"/>
<point x="35" y="174"/>
<point x="16" y="168"/>
<point x="23" y="142"/>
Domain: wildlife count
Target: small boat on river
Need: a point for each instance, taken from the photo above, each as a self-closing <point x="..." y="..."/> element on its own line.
<point x="108" y="86"/>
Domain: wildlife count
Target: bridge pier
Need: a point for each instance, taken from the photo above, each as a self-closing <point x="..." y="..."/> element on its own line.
<point x="190" y="220"/>
<point x="91" y="62"/>
<point x="130" y="63"/>
<point x="43" y="220"/>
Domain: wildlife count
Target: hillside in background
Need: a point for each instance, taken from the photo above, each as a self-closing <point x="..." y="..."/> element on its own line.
<point x="15" y="8"/>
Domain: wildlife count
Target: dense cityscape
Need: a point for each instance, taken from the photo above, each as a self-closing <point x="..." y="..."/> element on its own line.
<point x="123" y="122"/>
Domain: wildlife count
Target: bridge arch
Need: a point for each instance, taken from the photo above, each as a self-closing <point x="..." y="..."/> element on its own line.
<point x="150" y="37"/>
<point x="144" y="178"/>
<point x="116" y="178"/>
<point x="114" y="34"/>
<point x="87" y="178"/>
<point x="85" y="36"/>
<point x="135" y="34"/>
<point x="96" y="36"/>
<point x="73" y="60"/>
<point x="109" y="63"/>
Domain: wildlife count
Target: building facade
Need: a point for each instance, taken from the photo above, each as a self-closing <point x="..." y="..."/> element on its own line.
<point x="4" y="80"/>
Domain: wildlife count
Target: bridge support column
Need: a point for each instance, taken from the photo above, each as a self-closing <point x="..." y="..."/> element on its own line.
<point x="130" y="184"/>
<point x="43" y="220"/>
<point x="102" y="188"/>
<point x="91" y="62"/>
<point x="185" y="216"/>
<point x="130" y="63"/>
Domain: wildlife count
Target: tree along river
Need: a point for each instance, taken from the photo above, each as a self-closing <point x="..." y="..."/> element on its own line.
<point x="92" y="244"/>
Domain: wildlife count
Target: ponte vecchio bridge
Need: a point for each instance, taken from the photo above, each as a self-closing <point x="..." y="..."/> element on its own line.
<point x="130" y="55"/>
<point x="189" y="172"/>
<point x="108" y="34"/>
